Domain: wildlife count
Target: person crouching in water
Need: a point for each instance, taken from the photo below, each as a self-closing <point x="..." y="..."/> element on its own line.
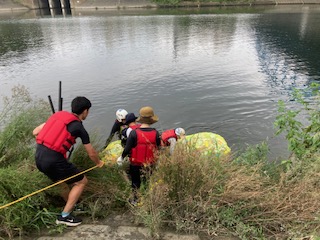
<point x="54" y="139"/>
<point x="142" y="147"/>
<point x="118" y="126"/>
<point x="171" y="136"/>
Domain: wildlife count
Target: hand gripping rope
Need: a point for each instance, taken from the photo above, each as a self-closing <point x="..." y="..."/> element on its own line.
<point x="50" y="186"/>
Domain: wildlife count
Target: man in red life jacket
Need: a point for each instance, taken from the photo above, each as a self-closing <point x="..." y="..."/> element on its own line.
<point x="54" y="139"/>
<point x="142" y="146"/>
<point x="170" y="137"/>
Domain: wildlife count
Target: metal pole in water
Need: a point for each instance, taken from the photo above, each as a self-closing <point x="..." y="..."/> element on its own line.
<point x="60" y="99"/>
<point x="51" y="104"/>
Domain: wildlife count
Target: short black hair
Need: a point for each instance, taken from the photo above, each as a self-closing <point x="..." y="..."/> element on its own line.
<point x="79" y="104"/>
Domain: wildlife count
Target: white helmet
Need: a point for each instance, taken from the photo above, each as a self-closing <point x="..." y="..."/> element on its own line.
<point x="180" y="131"/>
<point x="121" y="114"/>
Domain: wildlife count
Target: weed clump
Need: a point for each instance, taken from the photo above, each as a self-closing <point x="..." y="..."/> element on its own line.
<point x="18" y="174"/>
<point x="19" y="117"/>
<point x="197" y="194"/>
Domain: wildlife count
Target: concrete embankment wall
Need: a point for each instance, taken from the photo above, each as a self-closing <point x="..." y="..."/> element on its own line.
<point x="120" y="4"/>
<point x="111" y="3"/>
<point x="76" y="4"/>
<point x="11" y="5"/>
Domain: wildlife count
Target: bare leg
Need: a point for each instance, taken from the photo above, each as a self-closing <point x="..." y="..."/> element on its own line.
<point x="65" y="190"/>
<point x="74" y="194"/>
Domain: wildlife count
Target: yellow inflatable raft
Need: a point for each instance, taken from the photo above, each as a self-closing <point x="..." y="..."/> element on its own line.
<point x="207" y="143"/>
<point x="111" y="153"/>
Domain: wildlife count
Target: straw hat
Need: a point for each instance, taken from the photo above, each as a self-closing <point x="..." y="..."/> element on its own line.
<point x="146" y="115"/>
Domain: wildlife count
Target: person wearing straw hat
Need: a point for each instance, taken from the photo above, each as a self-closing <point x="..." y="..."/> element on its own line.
<point x="54" y="140"/>
<point x="142" y="146"/>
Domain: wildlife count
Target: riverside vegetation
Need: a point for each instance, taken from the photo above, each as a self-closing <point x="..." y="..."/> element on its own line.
<point x="244" y="195"/>
<point x="198" y="2"/>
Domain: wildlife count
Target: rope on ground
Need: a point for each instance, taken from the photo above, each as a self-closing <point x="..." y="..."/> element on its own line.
<point x="43" y="189"/>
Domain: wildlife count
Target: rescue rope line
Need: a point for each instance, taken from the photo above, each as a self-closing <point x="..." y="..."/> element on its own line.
<point x="50" y="186"/>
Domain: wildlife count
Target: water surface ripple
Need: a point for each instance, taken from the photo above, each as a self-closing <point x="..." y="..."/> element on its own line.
<point x="205" y="72"/>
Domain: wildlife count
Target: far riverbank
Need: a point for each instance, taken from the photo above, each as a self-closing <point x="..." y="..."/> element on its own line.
<point x="11" y="5"/>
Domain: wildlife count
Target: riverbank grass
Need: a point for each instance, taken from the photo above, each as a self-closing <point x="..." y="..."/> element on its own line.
<point x="244" y="195"/>
<point x="19" y="176"/>
<point x="247" y="200"/>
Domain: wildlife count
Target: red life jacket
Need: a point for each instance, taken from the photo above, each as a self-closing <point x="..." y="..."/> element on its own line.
<point x="124" y="134"/>
<point x="135" y="126"/>
<point x="144" y="152"/>
<point x="54" y="134"/>
<point x="166" y="135"/>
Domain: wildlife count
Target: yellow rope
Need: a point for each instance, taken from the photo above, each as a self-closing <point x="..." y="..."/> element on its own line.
<point x="50" y="186"/>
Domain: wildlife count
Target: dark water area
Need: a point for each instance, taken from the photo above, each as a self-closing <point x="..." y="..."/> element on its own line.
<point x="214" y="69"/>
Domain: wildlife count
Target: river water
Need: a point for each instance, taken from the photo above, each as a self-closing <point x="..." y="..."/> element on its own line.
<point x="215" y="69"/>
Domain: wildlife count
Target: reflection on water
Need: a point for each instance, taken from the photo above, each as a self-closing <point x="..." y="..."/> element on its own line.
<point x="220" y="70"/>
<point x="296" y="44"/>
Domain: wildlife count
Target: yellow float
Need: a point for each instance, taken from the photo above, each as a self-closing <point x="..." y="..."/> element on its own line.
<point x="207" y="143"/>
<point x="111" y="153"/>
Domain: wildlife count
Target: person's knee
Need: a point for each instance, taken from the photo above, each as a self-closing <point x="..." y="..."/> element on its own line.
<point x="83" y="181"/>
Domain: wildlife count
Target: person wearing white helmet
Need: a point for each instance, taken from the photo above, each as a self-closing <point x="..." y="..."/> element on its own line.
<point x="118" y="126"/>
<point x="170" y="137"/>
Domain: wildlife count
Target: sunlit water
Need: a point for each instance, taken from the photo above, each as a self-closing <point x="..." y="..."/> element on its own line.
<point x="210" y="70"/>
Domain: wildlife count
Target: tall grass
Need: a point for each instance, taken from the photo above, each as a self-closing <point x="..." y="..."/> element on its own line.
<point x="20" y="177"/>
<point x="248" y="196"/>
<point x="28" y="215"/>
<point x="19" y="117"/>
<point x="243" y="195"/>
<point x="216" y="196"/>
<point x="107" y="190"/>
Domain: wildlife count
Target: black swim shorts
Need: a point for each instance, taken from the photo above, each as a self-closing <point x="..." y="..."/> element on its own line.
<point x="55" y="166"/>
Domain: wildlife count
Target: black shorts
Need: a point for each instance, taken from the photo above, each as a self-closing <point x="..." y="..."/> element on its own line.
<point x="55" y="166"/>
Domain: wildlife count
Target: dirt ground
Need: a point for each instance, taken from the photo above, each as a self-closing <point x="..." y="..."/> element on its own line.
<point x="116" y="227"/>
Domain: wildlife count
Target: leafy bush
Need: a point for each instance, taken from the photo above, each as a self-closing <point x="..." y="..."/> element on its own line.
<point x="303" y="139"/>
